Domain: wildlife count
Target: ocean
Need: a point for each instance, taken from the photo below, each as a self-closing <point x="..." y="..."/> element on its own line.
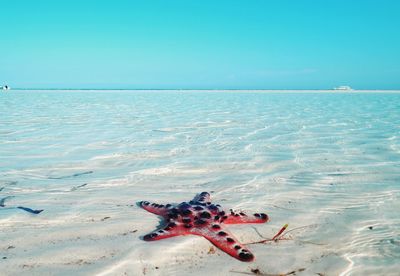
<point x="326" y="163"/>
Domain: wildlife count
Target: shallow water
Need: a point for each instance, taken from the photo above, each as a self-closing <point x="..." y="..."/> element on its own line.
<point x="328" y="164"/>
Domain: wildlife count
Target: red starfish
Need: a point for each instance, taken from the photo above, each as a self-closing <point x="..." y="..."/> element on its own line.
<point x="201" y="217"/>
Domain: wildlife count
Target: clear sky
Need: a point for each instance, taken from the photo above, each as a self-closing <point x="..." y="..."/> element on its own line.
<point x="254" y="44"/>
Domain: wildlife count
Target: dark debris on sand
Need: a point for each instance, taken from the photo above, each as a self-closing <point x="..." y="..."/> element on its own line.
<point x="257" y="271"/>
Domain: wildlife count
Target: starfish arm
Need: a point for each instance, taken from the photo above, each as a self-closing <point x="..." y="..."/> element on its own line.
<point x="225" y="241"/>
<point x="239" y="218"/>
<point x="170" y="230"/>
<point x="158" y="209"/>
<point x="202" y="197"/>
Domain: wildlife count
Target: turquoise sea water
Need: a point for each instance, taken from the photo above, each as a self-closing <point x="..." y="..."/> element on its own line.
<point x="326" y="161"/>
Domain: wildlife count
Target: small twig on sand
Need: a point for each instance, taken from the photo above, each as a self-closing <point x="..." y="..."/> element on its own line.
<point x="298" y="228"/>
<point x="280" y="231"/>
<point x="275" y="238"/>
<point x="309" y="242"/>
<point x="259" y="234"/>
<point x="280" y="236"/>
<point x="258" y="272"/>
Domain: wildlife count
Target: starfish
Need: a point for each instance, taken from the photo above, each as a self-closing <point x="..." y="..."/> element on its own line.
<point x="202" y="218"/>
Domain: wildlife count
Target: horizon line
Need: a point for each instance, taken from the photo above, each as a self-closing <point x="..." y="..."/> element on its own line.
<point x="211" y="89"/>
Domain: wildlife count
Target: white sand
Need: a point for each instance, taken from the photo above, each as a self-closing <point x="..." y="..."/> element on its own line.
<point x="325" y="164"/>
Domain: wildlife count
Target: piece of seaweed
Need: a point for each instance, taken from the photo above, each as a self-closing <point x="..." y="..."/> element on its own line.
<point x="3" y="200"/>
<point x="69" y="176"/>
<point x="29" y="210"/>
<point x="77" y="187"/>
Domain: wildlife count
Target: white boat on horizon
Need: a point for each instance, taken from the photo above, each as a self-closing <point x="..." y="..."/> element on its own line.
<point x="343" y="88"/>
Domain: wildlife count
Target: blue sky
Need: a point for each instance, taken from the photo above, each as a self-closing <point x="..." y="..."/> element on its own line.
<point x="254" y="44"/>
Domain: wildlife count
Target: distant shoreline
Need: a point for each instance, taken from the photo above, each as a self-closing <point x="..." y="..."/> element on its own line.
<point x="215" y="90"/>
